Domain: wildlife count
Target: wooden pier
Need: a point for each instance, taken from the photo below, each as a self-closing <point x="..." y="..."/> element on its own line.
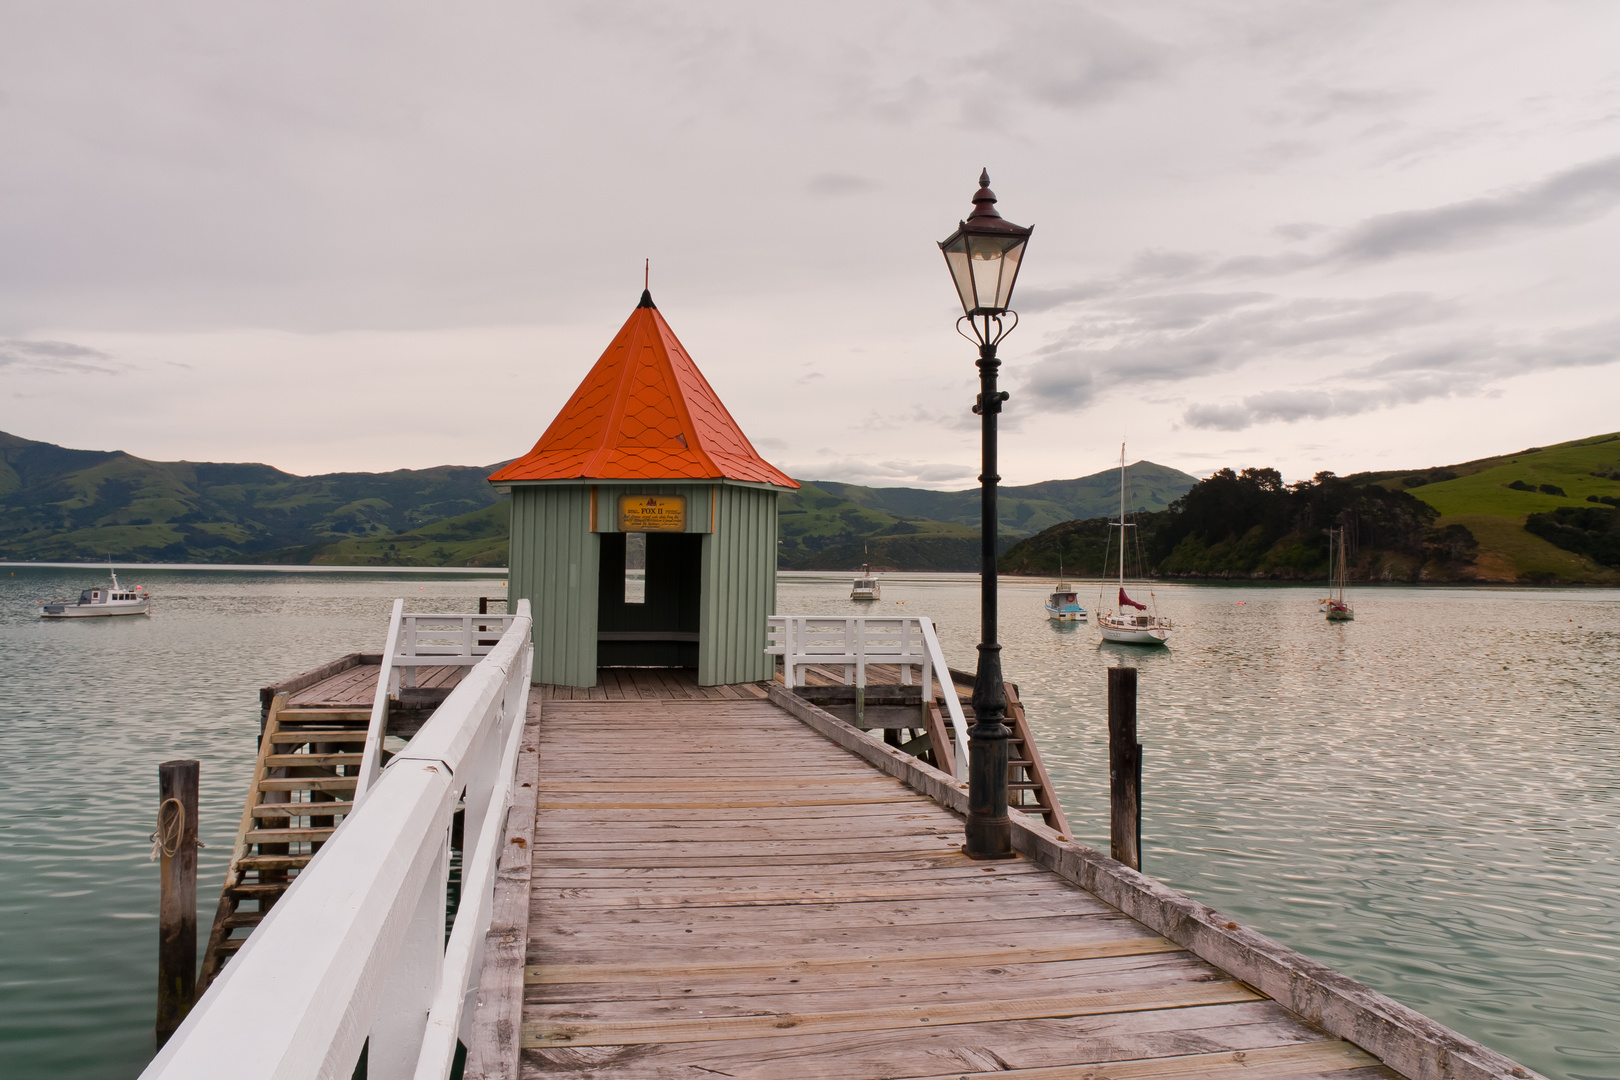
<point x="732" y="881"/>
<point x="716" y="889"/>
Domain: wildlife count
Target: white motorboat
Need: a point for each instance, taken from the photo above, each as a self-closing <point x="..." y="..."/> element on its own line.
<point x="1143" y="625"/>
<point x="92" y="603"/>
<point x="866" y="586"/>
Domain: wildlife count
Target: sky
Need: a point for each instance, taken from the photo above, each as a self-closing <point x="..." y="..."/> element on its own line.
<point x="1305" y="235"/>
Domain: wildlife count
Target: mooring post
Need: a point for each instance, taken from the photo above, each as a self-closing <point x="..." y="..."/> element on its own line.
<point x="176" y="839"/>
<point x="1124" y="769"/>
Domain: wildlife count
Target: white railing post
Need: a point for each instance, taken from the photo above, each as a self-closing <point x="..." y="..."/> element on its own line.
<point x="407" y="994"/>
<point x="371" y="758"/>
<point x="947" y="690"/>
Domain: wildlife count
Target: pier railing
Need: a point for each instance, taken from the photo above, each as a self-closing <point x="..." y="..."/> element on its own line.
<point x="854" y="641"/>
<point x="356" y="949"/>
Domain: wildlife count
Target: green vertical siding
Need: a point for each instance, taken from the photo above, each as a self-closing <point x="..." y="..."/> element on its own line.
<point x="739" y="587"/>
<point x="554" y="564"/>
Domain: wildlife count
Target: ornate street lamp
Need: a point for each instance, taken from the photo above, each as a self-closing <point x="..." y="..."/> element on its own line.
<point x="984" y="254"/>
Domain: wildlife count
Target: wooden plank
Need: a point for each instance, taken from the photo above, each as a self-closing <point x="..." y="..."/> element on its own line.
<point x="493" y="1051"/>
<point x="1264" y="1063"/>
<point x="537" y="974"/>
<point x="969" y="1048"/>
<point x="285" y="761"/>
<point x="628" y="1033"/>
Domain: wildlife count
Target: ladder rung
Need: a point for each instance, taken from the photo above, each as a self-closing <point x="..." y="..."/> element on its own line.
<point x="319" y="735"/>
<point x="230" y="944"/>
<point x="284" y="761"/>
<point x="256" y="889"/>
<point x="282" y="836"/>
<point x="309" y="783"/>
<point x="242" y="920"/>
<point x="329" y="716"/>
<point x="274" y="862"/>
<point x="302" y="809"/>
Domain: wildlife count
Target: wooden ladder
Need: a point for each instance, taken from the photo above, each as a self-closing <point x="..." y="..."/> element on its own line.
<point x="308" y="761"/>
<point x="1029" y="787"/>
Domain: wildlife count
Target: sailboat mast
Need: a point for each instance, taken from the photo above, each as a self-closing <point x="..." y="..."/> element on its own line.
<point x="1122" y="517"/>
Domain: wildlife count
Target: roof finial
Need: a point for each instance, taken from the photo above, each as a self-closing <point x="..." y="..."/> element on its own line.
<point x="646" y="286"/>
<point x="984" y="200"/>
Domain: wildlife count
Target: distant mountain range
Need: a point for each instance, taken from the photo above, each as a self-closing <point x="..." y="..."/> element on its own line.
<point x="58" y="504"/>
<point x="1546" y="514"/>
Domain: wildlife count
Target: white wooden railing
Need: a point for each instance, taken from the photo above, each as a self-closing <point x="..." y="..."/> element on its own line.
<point x="854" y="641"/>
<point x="355" y="949"/>
<point x="420" y="640"/>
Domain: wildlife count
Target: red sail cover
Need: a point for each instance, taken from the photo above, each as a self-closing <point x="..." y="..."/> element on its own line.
<point x="1125" y="601"/>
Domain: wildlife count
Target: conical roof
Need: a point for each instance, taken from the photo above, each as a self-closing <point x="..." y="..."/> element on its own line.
<point x="644" y="412"/>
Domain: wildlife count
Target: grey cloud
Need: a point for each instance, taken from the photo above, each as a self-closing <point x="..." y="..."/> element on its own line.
<point x="883" y="473"/>
<point x="57" y="356"/>
<point x="1566" y="198"/>
<point x="1173" y="337"/>
<point x="834" y="184"/>
<point x="1458" y="368"/>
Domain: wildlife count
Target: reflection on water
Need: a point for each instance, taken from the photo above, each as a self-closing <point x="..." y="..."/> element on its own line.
<point x="1427" y="798"/>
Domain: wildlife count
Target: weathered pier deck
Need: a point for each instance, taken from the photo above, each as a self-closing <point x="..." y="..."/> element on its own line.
<point x="711" y="886"/>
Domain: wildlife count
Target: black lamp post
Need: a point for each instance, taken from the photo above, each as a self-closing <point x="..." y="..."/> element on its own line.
<point x="984" y="254"/>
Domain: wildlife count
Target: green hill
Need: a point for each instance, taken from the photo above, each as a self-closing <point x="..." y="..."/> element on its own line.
<point x="827" y="525"/>
<point x="1513" y="504"/>
<point x="1546" y="514"/>
<point x="69" y="505"/>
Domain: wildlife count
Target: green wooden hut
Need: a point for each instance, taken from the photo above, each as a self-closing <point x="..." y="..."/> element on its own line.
<point x="644" y="522"/>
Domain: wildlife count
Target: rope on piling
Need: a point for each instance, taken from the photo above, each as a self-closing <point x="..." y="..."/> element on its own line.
<point x="170" y="828"/>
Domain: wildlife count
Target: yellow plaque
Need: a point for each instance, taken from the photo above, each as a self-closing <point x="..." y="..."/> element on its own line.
<point x="652" y="513"/>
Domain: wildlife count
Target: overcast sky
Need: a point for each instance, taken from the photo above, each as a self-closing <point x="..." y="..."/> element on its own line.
<point x="376" y="235"/>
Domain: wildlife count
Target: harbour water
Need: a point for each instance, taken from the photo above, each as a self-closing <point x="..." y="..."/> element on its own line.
<point x="1427" y="798"/>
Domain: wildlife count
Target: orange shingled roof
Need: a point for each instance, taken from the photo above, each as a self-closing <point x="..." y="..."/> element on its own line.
<point x="644" y="412"/>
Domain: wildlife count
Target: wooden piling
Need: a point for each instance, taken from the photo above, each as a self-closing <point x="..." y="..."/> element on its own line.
<point x="177" y="909"/>
<point x="1124" y="769"/>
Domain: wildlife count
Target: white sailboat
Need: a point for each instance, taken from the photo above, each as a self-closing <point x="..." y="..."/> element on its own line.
<point x="1338" y="608"/>
<point x="1142" y="625"/>
<point x="116" y="600"/>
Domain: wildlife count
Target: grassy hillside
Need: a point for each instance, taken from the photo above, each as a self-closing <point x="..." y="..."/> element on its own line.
<point x="1546" y="514"/>
<point x="1489" y="498"/>
<point x="66" y="505"/>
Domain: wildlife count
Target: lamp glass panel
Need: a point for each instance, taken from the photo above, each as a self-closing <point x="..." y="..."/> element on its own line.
<point x="956" y="257"/>
<point x="1009" y="273"/>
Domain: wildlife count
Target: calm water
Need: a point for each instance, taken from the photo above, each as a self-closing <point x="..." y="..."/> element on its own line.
<point x="1427" y="798"/>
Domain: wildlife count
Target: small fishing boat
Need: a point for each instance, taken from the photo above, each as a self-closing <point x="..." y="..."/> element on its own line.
<point x="1338" y="608"/>
<point x="865" y="586"/>
<point x="1063" y="603"/>
<point x="1144" y="625"/>
<point x="116" y="600"/>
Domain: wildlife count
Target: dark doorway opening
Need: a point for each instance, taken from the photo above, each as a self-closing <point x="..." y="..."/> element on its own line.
<point x="661" y="630"/>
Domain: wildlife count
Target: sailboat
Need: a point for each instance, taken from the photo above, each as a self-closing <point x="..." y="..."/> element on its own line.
<point x="1063" y="605"/>
<point x="1339" y="609"/>
<point x="1144" y="625"/>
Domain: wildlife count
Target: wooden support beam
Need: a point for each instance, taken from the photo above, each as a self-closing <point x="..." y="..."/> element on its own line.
<point x="1124" y="769"/>
<point x="176" y="839"/>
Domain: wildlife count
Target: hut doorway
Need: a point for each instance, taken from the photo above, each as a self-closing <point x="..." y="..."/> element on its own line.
<point x="647" y="615"/>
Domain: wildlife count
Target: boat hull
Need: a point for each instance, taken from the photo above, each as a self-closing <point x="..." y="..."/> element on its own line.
<point x="1340" y="615"/>
<point x="1065" y="616"/>
<point x="91" y="611"/>
<point x="1134" y="635"/>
